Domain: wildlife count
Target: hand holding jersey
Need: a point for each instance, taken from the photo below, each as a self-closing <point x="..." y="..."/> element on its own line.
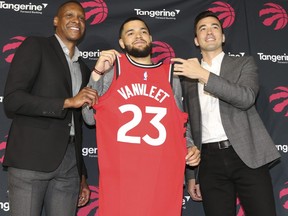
<point x="146" y="144"/>
<point x="104" y="63"/>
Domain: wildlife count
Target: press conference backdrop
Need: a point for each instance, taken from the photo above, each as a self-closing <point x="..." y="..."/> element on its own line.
<point x="257" y="28"/>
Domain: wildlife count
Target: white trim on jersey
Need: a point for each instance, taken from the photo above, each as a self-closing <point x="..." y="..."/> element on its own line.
<point x="143" y="65"/>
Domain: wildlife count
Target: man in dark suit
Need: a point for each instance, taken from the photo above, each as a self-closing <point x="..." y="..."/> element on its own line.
<point x="220" y="95"/>
<point x="43" y="95"/>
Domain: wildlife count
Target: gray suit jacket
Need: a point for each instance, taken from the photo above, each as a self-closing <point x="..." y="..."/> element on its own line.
<point x="237" y="88"/>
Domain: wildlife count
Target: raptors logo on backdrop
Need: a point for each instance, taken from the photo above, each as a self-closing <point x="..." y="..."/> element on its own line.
<point x="10" y="48"/>
<point x="162" y="51"/>
<point x="225" y="12"/>
<point x="2" y="150"/>
<point x="274" y="13"/>
<point x="240" y="209"/>
<point x="283" y="196"/>
<point x="280" y="100"/>
<point x="95" y="10"/>
<point x="92" y="206"/>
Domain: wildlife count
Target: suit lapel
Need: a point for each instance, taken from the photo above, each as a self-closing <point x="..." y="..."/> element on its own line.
<point x="83" y="72"/>
<point x="59" y="52"/>
<point x="224" y="70"/>
<point x="227" y="66"/>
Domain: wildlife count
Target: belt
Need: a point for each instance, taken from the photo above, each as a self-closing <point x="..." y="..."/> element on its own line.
<point x="216" y="145"/>
<point x="71" y="139"/>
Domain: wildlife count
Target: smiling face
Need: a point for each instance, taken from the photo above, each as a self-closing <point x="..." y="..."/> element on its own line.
<point x="136" y="39"/>
<point x="209" y="35"/>
<point x="70" y="23"/>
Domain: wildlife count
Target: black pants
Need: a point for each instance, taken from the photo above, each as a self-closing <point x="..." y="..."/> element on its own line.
<point x="224" y="177"/>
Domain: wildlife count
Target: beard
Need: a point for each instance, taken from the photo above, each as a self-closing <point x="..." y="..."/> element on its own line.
<point x="139" y="53"/>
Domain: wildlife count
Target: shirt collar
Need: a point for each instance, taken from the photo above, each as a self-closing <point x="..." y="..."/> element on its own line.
<point x="216" y="60"/>
<point x="66" y="50"/>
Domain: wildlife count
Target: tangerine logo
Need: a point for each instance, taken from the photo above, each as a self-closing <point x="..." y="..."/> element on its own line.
<point x="91" y="152"/>
<point x="96" y="10"/>
<point x="24" y="8"/>
<point x="274" y="13"/>
<point x="280" y="97"/>
<point x="281" y="59"/>
<point x="10" y="48"/>
<point x="5" y="206"/>
<point x="283" y="196"/>
<point x="225" y="12"/>
<point x="2" y="149"/>
<point x="159" y="14"/>
<point x="283" y="148"/>
<point x="240" y="54"/>
<point x="91" y="55"/>
<point x="93" y="205"/>
<point x="162" y="51"/>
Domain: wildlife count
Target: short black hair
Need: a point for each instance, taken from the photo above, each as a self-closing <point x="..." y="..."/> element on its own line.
<point x="129" y="20"/>
<point x="203" y="15"/>
<point x="68" y="2"/>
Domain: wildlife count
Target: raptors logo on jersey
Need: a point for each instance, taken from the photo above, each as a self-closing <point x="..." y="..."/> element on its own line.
<point x="141" y="143"/>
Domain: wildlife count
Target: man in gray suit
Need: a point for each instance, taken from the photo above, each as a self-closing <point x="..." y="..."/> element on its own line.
<point x="219" y="95"/>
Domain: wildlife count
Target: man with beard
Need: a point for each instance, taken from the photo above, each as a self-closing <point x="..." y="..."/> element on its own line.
<point x="139" y="129"/>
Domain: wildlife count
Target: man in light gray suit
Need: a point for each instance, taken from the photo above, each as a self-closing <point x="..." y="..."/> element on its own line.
<point x="219" y="95"/>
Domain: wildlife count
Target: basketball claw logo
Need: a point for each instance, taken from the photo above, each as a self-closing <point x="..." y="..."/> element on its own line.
<point x="225" y="12"/>
<point x="162" y="51"/>
<point x="12" y="47"/>
<point x="274" y="13"/>
<point x="239" y="207"/>
<point x="2" y="149"/>
<point x="281" y="100"/>
<point x="97" y="9"/>
<point x="93" y="205"/>
<point x="283" y="196"/>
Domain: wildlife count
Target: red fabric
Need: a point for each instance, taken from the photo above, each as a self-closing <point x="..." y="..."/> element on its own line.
<point x="139" y="176"/>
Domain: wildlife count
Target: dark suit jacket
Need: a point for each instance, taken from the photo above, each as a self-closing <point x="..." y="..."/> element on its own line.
<point x="37" y="84"/>
<point x="237" y="88"/>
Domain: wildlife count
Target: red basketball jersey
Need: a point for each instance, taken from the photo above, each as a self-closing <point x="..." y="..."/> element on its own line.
<point x="141" y="143"/>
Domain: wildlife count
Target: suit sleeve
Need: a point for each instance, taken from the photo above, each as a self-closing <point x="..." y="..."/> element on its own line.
<point x="177" y="89"/>
<point x="23" y="72"/>
<point x="191" y="105"/>
<point x="242" y="90"/>
<point x="101" y="86"/>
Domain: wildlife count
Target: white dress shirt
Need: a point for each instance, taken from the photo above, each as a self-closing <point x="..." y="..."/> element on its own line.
<point x="212" y="128"/>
